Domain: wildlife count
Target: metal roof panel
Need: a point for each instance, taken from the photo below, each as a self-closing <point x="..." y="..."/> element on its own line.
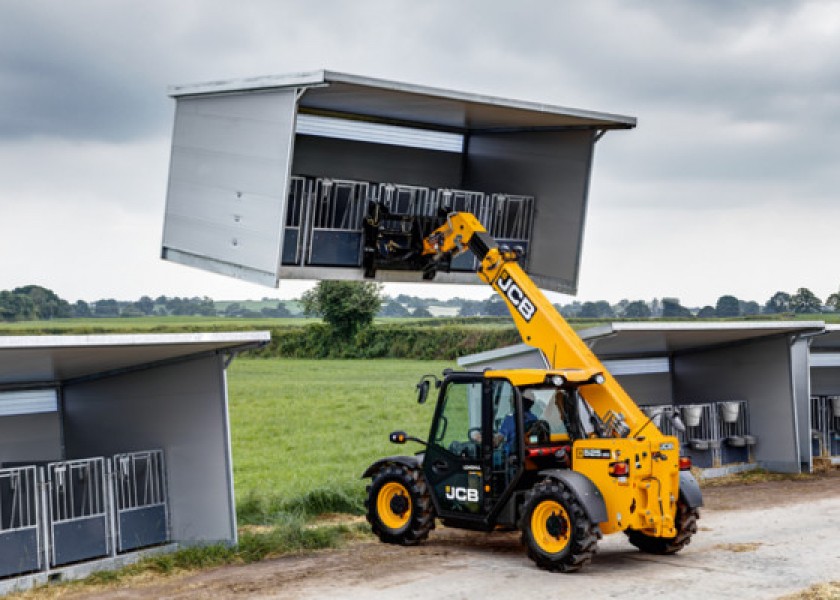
<point x="34" y="360"/>
<point x="621" y="339"/>
<point x="330" y="92"/>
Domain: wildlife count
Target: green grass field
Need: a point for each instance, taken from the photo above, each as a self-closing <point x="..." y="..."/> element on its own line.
<point x="304" y="429"/>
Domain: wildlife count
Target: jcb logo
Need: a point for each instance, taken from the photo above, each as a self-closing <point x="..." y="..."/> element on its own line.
<point x="461" y="494"/>
<point x="517" y="297"/>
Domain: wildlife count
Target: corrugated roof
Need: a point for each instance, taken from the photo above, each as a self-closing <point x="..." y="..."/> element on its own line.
<point x="380" y="100"/>
<point x="32" y="360"/>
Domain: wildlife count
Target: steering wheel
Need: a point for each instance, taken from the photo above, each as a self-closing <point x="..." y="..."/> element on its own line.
<point x="539" y="429"/>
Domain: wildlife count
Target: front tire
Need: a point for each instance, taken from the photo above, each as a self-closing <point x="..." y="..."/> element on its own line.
<point x="686" y="525"/>
<point x="399" y="508"/>
<point x="556" y="530"/>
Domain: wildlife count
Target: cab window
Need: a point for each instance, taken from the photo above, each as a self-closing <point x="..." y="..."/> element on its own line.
<point x="548" y="407"/>
<point x="461" y="414"/>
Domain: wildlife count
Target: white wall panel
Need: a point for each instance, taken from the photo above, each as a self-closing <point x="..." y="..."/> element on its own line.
<point x="228" y="179"/>
<point x="181" y="409"/>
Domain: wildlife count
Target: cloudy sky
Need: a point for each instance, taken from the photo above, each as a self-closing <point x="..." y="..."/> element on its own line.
<point x="729" y="184"/>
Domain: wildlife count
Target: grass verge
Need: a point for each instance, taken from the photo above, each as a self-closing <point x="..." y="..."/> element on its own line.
<point x="289" y="534"/>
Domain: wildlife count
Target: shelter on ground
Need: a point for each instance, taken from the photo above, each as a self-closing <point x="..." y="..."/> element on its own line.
<point x="113" y="443"/>
<point x="750" y="393"/>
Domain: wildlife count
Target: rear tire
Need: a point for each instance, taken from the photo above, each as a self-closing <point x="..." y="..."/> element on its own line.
<point x="556" y="530"/>
<point x="686" y="522"/>
<point x="399" y="508"/>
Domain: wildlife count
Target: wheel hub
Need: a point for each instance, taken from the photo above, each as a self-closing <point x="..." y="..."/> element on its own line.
<point x="556" y="526"/>
<point x="399" y="505"/>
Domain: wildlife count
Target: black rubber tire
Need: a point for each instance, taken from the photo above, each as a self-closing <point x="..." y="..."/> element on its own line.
<point x="571" y="523"/>
<point x="420" y="517"/>
<point x="686" y="521"/>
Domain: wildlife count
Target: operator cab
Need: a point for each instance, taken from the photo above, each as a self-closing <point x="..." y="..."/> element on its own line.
<point x="494" y="431"/>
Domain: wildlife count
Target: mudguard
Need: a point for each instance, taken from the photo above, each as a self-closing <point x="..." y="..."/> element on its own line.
<point x="690" y="490"/>
<point x="587" y="492"/>
<point x="412" y="462"/>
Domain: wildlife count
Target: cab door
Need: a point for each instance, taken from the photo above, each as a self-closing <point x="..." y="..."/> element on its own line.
<point x="460" y="457"/>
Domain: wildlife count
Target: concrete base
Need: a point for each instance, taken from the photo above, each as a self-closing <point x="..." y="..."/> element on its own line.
<point x="715" y="472"/>
<point x="79" y="571"/>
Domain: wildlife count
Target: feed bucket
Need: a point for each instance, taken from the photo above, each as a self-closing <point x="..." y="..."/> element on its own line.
<point x="729" y="411"/>
<point x="691" y="415"/>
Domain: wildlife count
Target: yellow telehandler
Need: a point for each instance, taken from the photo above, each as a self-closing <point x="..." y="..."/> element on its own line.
<point x="562" y="453"/>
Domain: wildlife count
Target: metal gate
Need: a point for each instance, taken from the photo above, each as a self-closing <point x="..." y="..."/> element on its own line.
<point x="20" y="542"/>
<point x="513" y="218"/>
<point x="338" y="210"/>
<point x="78" y="510"/>
<point x="293" y="233"/>
<point x="825" y="425"/>
<point x="140" y="492"/>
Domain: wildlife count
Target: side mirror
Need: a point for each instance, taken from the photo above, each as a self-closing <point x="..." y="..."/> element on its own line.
<point x="422" y="391"/>
<point x="423" y="387"/>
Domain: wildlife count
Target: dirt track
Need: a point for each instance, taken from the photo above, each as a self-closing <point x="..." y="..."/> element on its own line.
<point x="757" y="541"/>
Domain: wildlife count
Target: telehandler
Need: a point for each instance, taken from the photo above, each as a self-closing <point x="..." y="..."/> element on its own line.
<point x="563" y="453"/>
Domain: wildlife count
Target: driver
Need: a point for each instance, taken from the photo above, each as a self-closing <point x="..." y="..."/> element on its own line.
<point x="507" y="432"/>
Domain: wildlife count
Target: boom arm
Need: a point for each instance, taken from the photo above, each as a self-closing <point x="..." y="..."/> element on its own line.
<point x="538" y="322"/>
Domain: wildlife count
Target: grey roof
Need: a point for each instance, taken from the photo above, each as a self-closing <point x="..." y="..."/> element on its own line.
<point x="499" y="353"/>
<point x="33" y="360"/>
<point x="656" y="339"/>
<point x="829" y="341"/>
<point x="342" y="94"/>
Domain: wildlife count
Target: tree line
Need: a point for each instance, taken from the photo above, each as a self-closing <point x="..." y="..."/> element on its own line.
<point x="33" y="302"/>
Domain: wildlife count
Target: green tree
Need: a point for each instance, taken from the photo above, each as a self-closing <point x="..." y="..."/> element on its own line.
<point x="805" y="301"/>
<point x="393" y="308"/>
<point x="671" y="308"/>
<point x="16" y="307"/>
<point x="47" y="303"/>
<point x="278" y="312"/>
<point x="494" y="306"/>
<point x="470" y="308"/>
<point x="778" y="303"/>
<point x="81" y="309"/>
<point x="106" y="308"/>
<point x="833" y="301"/>
<point x="421" y="312"/>
<point x="346" y="306"/>
<point x="750" y="308"/>
<point x="707" y="312"/>
<point x="727" y="306"/>
<point x="596" y="310"/>
<point x="145" y="305"/>
<point x="637" y="309"/>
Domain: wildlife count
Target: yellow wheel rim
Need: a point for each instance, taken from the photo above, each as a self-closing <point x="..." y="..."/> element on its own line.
<point x="394" y="505"/>
<point x="550" y="526"/>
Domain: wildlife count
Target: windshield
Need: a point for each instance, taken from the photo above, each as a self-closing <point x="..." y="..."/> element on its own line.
<point x="548" y="407"/>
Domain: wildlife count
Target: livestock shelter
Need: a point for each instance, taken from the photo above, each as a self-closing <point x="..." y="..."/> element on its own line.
<point x="743" y="388"/>
<point x="825" y="395"/>
<point x="281" y="176"/>
<point x="110" y="444"/>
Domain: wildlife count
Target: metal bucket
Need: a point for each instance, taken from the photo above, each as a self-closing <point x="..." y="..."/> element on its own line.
<point x="691" y="415"/>
<point x="729" y="411"/>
